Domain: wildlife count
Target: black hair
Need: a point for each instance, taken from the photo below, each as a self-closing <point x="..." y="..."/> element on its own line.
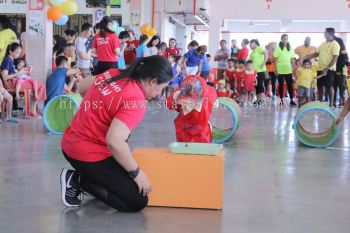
<point x="241" y="61"/>
<point x="143" y="38"/>
<point x="19" y="60"/>
<point x="307" y="61"/>
<point x="5" y="22"/>
<point x="202" y="48"/>
<point x="281" y="45"/>
<point x="12" y="47"/>
<point x="173" y="40"/>
<point x="155" y="37"/>
<point x="162" y="45"/>
<point x="231" y="60"/>
<point x="208" y="55"/>
<point x="156" y="66"/>
<point x="223" y="41"/>
<point x="97" y="26"/>
<point x="193" y="43"/>
<point x="104" y="26"/>
<point x="86" y="27"/>
<point x="256" y="41"/>
<point x="330" y="31"/>
<point x="210" y="84"/>
<point x="124" y="35"/>
<point x="245" y="41"/>
<point x="60" y="43"/>
<point x="249" y="62"/>
<point x="70" y="32"/>
<point x="172" y="56"/>
<point x="60" y="60"/>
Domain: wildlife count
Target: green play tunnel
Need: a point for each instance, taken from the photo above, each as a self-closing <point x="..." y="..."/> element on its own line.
<point x="314" y="125"/>
<point x="225" y="119"/>
<point x="60" y="111"/>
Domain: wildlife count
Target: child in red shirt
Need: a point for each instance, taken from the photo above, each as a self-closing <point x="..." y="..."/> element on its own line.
<point x="172" y="48"/>
<point x="239" y="74"/>
<point x="248" y="82"/>
<point x="222" y="91"/>
<point x="229" y="74"/>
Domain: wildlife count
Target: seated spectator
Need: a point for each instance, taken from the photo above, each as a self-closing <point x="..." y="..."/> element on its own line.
<point x="56" y="83"/>
<point x="5" y="96"/>
<point x="24" y="77"/>
<point x="162" y="47"/>
<point x="69" y="52"/>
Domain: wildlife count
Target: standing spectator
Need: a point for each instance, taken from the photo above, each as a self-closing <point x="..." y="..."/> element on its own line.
<point x="97" y="28"/>
<point x="153" y="44"/>
<point x="221" y="57"/>
<point x="271" y="68"/>
<point x="306" y="49"/>
<point x="123" y="39"/>
<point x="130" y="50"/>
<point x="205" y="66"/>
<point x="23" y="38"/>
<point x="193" y="60"/>
<point x="243" y="53"/>
<point x="7" y="36"/>
<point x="82" y="48"/>
<point x="340" y="75"/>
<point x="234" y="48"/>
<point x="284" y="59"/>
<point x="70" y="35"/>
<point x="58" y="44"/>
<point x="172" y="48"/>
<point x="142" y="50"/>
<point x="106" y="46"/>
<point x="327" y="54"/>
<point x="259" y="58"/>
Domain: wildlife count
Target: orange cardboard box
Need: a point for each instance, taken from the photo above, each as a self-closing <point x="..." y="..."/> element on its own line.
<point x="190" y="181"/>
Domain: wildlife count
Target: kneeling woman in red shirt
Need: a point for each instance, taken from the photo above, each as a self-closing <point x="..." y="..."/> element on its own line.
<point x="95" y="143"/>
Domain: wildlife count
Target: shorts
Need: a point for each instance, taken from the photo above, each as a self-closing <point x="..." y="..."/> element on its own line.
<point x="304" y="92"/>
<point x="260" y="88"/>
<point x="326" y="81"/>
<point x="86" y="71"/>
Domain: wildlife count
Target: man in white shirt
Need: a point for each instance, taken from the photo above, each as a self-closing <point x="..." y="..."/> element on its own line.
<point x="221" y="57"/>
<point x="84" y="58"/>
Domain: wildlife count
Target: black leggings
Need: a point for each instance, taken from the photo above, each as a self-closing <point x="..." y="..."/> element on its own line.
<point x="109" y="182"/>
<point x="289" y="80"/>
<point x="339" y="83"/>
<point x="260" y="88"/>
<point x="103" y="66"/>
<point x="273" y="82"/>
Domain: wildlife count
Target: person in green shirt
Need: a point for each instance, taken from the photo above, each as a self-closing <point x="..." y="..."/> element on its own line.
<point x="259" y="56"/>
<point x="284" y="60"/>
<point x="7" y="36"/>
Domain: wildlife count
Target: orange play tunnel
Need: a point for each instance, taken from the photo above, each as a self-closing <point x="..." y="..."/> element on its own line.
<point x="178" y="180"/>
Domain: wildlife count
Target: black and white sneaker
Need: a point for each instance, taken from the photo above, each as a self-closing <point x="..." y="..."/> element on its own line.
<point x="69" y="189"/>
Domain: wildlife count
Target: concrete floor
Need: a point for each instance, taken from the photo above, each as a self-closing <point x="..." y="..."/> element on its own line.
<point x="272" y="183"/>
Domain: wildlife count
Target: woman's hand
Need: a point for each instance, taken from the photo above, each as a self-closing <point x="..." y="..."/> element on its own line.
<point x="143" y="183"/>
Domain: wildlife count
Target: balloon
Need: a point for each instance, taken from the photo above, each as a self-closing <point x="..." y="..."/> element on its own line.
<point x="55" y="2"/>
<point x="63" y="20"/>
<point x="152" y="32"/>
<point x="69" y="7"/>
<point x="145" y="28"/>
<point x="119" y="30"/>
<point x="54" y="13"/>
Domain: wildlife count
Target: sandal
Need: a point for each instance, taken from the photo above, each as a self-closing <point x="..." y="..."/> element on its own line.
<point x="12" y="120"/>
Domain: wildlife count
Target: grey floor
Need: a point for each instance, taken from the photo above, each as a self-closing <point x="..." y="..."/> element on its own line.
<point x="272" y="183"/>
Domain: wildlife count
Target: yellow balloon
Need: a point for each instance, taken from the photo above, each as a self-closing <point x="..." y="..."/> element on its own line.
<point x="152" y="32"/>
<point x="145" y="28"/>
<point x="69" y="7"/>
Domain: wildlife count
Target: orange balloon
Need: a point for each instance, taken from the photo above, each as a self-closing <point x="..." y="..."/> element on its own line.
<point x="54" y="13"/>
<point x="152" y="32"/>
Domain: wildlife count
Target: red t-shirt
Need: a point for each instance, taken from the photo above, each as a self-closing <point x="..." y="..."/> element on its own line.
<point x="174" y="51"/>
<point x="225" y="93"/>
<point x="249" y="81"/>
<point x="243" y="54"/>
<point x="231" y="77"/>
<point x="239" y="76"/>
<point x="105" y="47"/>
<point x="129" y="52"/>
<point x="85" y="138"/>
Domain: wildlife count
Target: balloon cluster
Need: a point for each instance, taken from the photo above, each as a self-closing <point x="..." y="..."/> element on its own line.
<point x="148" y="30"/>
<point x="60" y="9"/>
<point x="116" y="28"/>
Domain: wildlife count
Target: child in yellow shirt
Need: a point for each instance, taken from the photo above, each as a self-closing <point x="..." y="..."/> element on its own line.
<point x="306" y="81"/>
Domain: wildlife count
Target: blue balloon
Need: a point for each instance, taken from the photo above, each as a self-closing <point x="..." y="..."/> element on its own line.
<point x="63" y="20"/>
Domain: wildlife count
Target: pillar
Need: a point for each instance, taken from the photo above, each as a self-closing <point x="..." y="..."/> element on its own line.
<point x="214" y="38"/>
<point x="39" y="40"/>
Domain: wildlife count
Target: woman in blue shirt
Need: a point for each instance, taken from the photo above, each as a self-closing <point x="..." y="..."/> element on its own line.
<point x="205" y="66"/>
<point x="193" y="60"/>
<point x="142" y="50"/>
